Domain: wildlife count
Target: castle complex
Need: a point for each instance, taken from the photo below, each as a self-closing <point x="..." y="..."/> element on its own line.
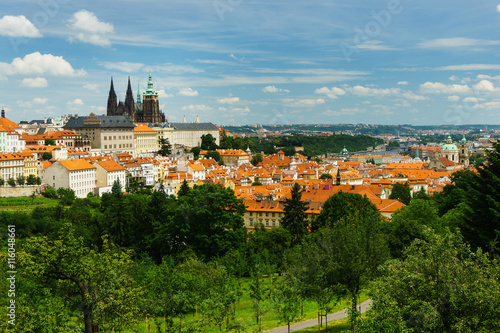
<point x="147" y="111"/>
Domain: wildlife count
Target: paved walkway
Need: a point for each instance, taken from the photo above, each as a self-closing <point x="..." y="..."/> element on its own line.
<point x="314" y="322"/>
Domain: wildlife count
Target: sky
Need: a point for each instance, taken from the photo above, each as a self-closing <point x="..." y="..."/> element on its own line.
<point x="236" y="62"/>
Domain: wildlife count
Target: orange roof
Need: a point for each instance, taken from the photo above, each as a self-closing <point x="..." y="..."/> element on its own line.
<point x="8" y="124"/>
<point x="196" y="167"/>
<point x="46" y="164"/>
<point x="110" y="165"/>
<point x="11" y="156"/>
<point x="77" y="164"/>
<point x="143" y="128"/>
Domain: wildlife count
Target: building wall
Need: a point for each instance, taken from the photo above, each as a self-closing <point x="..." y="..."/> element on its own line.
<point x="117" y="140"/>
<point x="11" y="168"/>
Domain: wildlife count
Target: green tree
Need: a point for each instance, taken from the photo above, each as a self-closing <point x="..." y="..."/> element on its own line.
<point x="215" y="155"/>
<point x="341" y="205"/>
<point x="31" y="180"/>
<point x="46" y="156"/>
<point x="67" y="196"/>
<point x="208" y="142"/>
<point x="99" y="279"/>
<point x="209" y="219"/>
<point x="21" y="180"/>
<point x="116" y="189"/>
<point x="256" y="159"/>
<point x="401" y="192"/>
<point x="50" y="193"/>
<point x="196" y="151"/>
<point x="393" y="144"/>
<point x="11" y="181"/>
<point x="256" y="183"/>
<point x="184" y="189"/>
<point x="440" y="285"/>
<point x="294" y="217"/>
<point x="326" y="176"/>
<point x="49" y="142"/>
<point x="258" y="292"/>
<point x="165" y="147"/>
<point x="2" y="182"/>
<point x="286" y="301"/>
<point x="421" y="194"/>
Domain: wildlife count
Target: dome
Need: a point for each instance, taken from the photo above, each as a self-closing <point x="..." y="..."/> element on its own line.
<point x="344" y="151"/>
<point x="464" y="140"/>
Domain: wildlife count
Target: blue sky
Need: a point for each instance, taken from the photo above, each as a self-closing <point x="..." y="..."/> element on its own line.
<point x="259" y="61"/>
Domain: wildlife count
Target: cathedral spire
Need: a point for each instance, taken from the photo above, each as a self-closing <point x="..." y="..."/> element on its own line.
<point x="112" y="102"/>
<point x="129" y="102"/>
<point x="138" y="94"/>
<point x="338" y="176"/>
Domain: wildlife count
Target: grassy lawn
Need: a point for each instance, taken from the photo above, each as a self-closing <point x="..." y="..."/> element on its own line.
<point x="25" y="203"/>
<point x="245" y="318"/>
<point x="333" y="327"/>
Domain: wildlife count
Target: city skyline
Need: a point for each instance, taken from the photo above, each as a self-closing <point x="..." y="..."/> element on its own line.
<point x="241" y="62"/>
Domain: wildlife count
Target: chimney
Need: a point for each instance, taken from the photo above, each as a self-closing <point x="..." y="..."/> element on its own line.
<point x="3" y="113"/>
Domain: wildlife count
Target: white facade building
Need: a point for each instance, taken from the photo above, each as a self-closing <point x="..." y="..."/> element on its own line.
<point x="77" y="175"/>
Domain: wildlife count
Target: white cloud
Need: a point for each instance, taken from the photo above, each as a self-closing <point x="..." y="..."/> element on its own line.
<point x="412" y="96"/>
<point x="469" y="67"/>
<point x="331" y="93"/>
<point x="163" y="94"/>
<point x="304" y="102"/>
<point x="472" y="99"/>
<point x="240" y="111"/>
<point x="92" y="87"/>
<point x="374" y="45"/>
<point x="273" y="89"/>
<point x="488" y="106"/>
<point x="453" y="98"/>
<point x="122" y="66"/>
<point x="365" y="91"/>
<point x="76" y="102"/>
<point x="484" y="86"/>
<point x="40" y="100"/>
<point x="187" y="92"/>
<point x="198" y="107"/>
<point x="498" y="8"/>
<point x="89" y="29"/>
<point x="18" y="26"/>
<point x="36" y="63"/>
<point x="441" y="88"/>
<point x="343" y="111"/>
<point x="456" y="42"/>
<point x="403" y="83"/>
<point x="38" y="82"/>
<point x="228" y="100"/>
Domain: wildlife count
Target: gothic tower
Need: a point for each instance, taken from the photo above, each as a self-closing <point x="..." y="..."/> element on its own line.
<point x="112" y="102"/>
<point x="463" y="155"/>
<point x="150" y="105"/>
<point x="129" y="108"/>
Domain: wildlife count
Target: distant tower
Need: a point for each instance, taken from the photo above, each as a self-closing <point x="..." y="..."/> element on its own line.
<point x="150" y="105"/>
<point x="338" y="176"/>
<point x="112" y="102"/>
<point x="416" y="156"/>
<point x="464" y="153"/>
<point x="129" y="107"/>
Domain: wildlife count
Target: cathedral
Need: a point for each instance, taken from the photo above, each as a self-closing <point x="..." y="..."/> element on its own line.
<point x="147" y="111"/>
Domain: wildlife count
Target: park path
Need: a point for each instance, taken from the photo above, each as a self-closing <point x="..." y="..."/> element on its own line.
<point x="314" y="322"/>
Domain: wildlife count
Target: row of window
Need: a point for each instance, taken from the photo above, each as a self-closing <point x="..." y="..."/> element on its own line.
<point x="125" y="137"/>
<point x="267" y="214"/>
<point x="125" y="145"/>
<point x="268" y="223"/>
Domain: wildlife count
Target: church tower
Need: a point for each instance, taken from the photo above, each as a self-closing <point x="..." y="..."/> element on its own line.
<point x="129" y="107"/>
<point x="464" y="153"/>
<point x="112" y="102"/>
<point x="150" y="105"/>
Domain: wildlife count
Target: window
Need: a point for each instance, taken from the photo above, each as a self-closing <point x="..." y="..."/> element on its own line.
<point x="267" y="214"/>
<point x="251" y="213"/>
<point x="273" y="214"/>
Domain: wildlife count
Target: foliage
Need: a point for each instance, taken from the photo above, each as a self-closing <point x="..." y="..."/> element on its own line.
<point x="256" y="159"/>
<point x="67" y="196"/>
<point x="184" y="189"/>
<point x="393" y="144"/>
<point x="2" y="182"/>
<point x="46" y="156"/>
<point x="116" y="189"/>
<point x="31" y="180"/>
<point x="401" y="192"/>
<point x="208" y="142"/>
<point x="50" y="193"/>
<point x="325" y="176"/>
<point x="98" y="279"/>
<point x="294" y="218"/>
<point x="342" y="205"/>
<point x="440" y="285"/>
<point x="21" y="180"/>
<point x="215" y="155"/>
<point x="165" y="147"/>
<point x="11" y="181"/>
<point x="196" y="151"/>
<point x="256" y="183"/>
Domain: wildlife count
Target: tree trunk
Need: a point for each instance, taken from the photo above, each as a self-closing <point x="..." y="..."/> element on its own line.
<point x="326" y="321"/>
<point x="88" y="314"/>
<point x="354" y="309"/>
<point x="288" y="327"/>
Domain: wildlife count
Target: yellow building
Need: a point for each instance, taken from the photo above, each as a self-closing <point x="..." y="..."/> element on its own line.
<point x="146" y="140"/>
